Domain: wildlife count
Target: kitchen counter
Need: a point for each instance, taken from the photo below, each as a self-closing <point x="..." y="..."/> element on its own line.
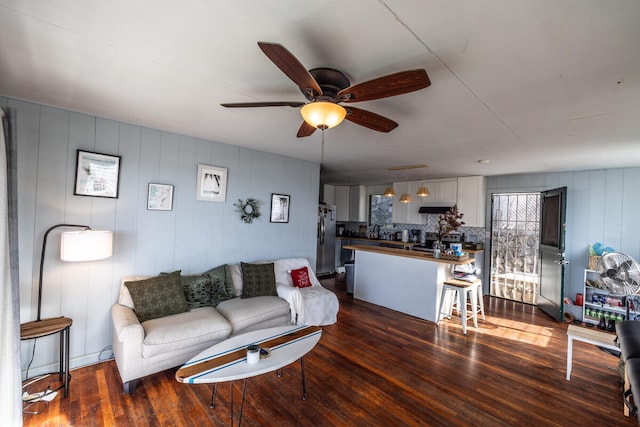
<point x="402" y="280"/>
<point x="428" y="256"/>
<point x="407" y="245"/>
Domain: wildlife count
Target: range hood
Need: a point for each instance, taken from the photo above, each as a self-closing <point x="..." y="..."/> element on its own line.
<point x="433" y="209"/>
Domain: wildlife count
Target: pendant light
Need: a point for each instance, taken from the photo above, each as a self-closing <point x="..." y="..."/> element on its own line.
<point x="405" y="198"/>
<point x="423" y="191"/>
<point x="389" y="191"/>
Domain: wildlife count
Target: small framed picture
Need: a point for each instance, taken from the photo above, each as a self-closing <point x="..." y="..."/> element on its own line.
<point x="160" y="197"/>
<point x="279" y="208"/>
<point x="97" y="175"/>
<point x="211" y="184"/>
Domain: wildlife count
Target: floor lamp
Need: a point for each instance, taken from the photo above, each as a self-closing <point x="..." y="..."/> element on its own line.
<point x="85" y="245"/>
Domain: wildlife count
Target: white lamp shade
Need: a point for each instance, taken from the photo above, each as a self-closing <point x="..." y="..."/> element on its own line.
<point x="87" y="245"/>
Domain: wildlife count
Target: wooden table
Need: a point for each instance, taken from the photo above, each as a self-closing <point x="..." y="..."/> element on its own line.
<point x="227" y="361"/>
<point x="592" y="336"/>
<point x="44" y="327"/>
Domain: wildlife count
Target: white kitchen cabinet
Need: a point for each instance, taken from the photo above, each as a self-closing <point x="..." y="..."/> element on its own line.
<point x="342" y="203"/>
<point x="471" y="200"/>
<point x="358" y="203"/>
<point x="447" y="191"/>
<point x="399" y="215"/>
<point x="443" y="192"/>
<point x="412" y="215"/>
<point x="329" y="194"/>
<point x="407" y="213"/>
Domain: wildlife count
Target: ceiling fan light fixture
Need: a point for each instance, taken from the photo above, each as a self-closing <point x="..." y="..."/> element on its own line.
<point x="323" y="115"/>
<point x="423" y="192"/>
<point x="405" y="198"/>
<point x="388" y="192"/>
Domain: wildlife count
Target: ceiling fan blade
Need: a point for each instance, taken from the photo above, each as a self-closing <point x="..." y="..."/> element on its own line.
<point x="290" y="65"/>
<point x="370" y="120"/>
<point x="305" y="130"/>
<point x="383" y="87"/>
<point x="263" y="104"/>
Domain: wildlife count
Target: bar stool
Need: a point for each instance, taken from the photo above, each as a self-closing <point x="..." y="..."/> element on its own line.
<point x="463" y="292"/>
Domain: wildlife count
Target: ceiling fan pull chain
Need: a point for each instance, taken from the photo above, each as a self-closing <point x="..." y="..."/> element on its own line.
<point x="322" y="150"/>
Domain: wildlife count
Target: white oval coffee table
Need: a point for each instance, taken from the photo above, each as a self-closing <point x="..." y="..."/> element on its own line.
<point x="227" y="361"/>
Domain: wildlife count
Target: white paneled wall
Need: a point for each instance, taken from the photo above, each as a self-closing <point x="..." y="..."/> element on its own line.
<point x="602" y="206"/>
<point x="193" y="237"/>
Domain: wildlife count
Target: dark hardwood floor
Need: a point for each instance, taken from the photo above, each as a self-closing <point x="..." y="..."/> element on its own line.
<point x="379" y="367"/>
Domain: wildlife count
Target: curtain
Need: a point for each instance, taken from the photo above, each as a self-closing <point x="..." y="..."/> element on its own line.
<point x="11" y="384"/>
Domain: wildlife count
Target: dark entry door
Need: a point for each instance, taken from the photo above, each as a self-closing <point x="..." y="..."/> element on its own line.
<point x="552" y="240"/>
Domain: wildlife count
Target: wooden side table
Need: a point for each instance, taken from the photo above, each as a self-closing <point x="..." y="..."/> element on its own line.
<point x="591" y="336"/>
<point x="44" y="327"/>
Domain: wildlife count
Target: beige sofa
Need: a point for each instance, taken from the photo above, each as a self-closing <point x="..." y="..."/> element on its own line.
<point x="154" y="345"/>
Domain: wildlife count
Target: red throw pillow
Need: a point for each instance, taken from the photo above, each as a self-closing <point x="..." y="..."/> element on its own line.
<point x="300" y="277"/>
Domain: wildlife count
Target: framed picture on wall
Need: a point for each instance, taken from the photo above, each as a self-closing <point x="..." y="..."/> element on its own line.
<point x="211" y="184"/>
<point x="97" y="175"/>
<point x="160" y="197"/>
<point x="279" y="208"/>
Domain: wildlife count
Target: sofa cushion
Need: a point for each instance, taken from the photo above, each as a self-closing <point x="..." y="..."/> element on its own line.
<point x="157" y="296"/>
<point x="300" y="277"/>
<point x="222" y="285"/>
<point x="243" y="313"/>
<point x="183" y="330"/>
<point x="258" y="280"/>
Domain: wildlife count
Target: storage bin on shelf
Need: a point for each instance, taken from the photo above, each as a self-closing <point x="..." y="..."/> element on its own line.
<point x="593" y="261"/>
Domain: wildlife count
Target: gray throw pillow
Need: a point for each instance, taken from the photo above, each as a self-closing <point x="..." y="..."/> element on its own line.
<point x="228" y="282"/>
<point x="221" y="284"/>
<point x="158" y="296"/>
<point x="197" y="291"/>
<point x="258" y="280"/>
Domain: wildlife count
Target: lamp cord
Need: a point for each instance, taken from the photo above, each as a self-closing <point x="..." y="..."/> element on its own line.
<point x="33" y="353"/>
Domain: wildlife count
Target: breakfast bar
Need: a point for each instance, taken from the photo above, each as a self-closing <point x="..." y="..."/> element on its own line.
<point x="406" y="281"/>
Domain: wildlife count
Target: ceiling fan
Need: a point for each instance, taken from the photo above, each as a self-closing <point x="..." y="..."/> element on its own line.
<point x="325" y="88"/>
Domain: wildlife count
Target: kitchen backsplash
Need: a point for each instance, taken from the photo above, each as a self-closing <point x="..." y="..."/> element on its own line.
<point x="353" y="228"/>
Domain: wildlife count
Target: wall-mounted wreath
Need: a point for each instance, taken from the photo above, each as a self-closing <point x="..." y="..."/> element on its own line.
<point x="248" y="210"/>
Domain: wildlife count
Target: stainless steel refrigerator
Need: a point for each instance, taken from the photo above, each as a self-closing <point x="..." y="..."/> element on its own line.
<point x="326" y="258"/>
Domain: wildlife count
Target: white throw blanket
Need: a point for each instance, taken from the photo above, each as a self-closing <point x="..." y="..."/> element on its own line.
<point x="313" y="305"/>
<point x="294" y="298"/>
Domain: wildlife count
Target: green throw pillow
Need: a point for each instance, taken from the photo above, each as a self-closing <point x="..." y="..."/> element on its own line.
<point x="158" y="296"/>
<point x="258" y="280"/>
<point x="221" y="283"/>
<point x="197" y="291"/>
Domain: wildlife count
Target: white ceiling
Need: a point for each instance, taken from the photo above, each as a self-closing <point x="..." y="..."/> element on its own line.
<point x="532" y="86"/>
